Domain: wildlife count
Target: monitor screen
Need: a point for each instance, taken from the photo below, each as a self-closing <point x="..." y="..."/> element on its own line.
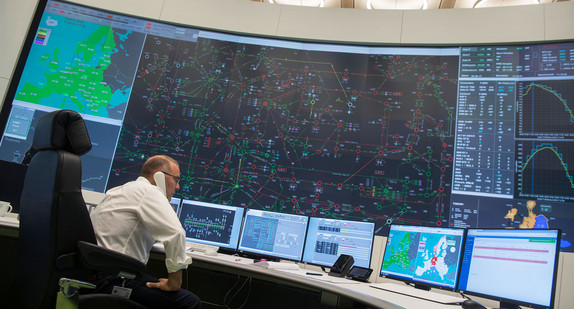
<point x="211" y="224"/>
<point x="175" y="202"/>
<point x="460" y="136"/>
<point x="426" y="256"/>
<point x="273" y="234"/>
<point x="515" y="266"/>
<point x="329" y="238"/>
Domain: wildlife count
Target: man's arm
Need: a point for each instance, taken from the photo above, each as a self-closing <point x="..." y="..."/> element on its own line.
<point x="163" y="225"/>
<point x="172" y="283"/>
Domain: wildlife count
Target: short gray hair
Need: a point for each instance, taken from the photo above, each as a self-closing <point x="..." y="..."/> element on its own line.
<point x="155" y="164"/>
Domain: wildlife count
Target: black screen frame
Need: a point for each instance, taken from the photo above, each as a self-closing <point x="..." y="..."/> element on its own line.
<point x="329" y="265"/>
<point x="514" y="303"/>
<point x="238" y="211"/>
<point x="425" y="285"/>
<point x="11" y="188"/>
<point x="260" y="256"/>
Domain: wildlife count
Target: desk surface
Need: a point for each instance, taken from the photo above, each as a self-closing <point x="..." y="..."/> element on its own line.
<point x="10" y="220"/>
<point x="357" y="291"/>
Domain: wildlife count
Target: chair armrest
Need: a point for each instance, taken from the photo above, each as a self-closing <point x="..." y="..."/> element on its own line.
<point x="99" y="258"/>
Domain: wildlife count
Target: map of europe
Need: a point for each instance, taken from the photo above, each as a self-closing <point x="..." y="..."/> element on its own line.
<point x="92" y="75"/>
<point x="423" y="256"/>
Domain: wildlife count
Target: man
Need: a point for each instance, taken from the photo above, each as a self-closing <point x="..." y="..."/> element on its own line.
<point x="131" y="218"/>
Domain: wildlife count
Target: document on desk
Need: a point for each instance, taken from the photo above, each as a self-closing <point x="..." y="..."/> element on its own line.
<point x="319" y="276"/>
<point x="277" y="265"/>
<point x="338" y="280"/>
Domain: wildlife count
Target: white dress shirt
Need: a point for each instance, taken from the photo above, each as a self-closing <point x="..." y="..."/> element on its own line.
<point x="132" y="217"/>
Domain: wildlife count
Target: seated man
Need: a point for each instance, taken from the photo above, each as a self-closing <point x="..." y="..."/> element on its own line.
<point x="130" y="219"/>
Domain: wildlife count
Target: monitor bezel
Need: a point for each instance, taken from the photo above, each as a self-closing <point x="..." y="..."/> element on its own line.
<point x="425" y="285"/>
<point x="326" y="265"/>
<point x="268" y="256"/>
<point x="514" y="302"/>
<point x="231" y="247"/>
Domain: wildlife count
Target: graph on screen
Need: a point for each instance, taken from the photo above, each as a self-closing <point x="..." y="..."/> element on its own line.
<point x="545" y="108"/>
<point x="545" y="169"/>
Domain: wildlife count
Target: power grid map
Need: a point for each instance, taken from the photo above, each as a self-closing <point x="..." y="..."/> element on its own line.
<point x="360" y="136"/>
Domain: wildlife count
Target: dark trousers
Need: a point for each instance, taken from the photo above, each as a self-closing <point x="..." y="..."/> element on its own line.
<point x="149" y="297"/>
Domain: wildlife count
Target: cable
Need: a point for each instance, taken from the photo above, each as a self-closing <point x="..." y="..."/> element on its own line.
<point x="248" y="279"/>
<point x="224" y="305"/>
<point x="248" y="293"/>
<point x="227" y="294"/>
<point x="212" y="304"/>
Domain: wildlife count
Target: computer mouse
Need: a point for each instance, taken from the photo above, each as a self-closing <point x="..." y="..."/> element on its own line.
<point x="472" y="304"/>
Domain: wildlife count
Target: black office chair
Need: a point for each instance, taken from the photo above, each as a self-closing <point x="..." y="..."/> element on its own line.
<point x="56" y="237"/>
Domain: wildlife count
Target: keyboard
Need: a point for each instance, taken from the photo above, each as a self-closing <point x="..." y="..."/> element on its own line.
<point x="418" y="293"/>
<point x="197" y="247"/>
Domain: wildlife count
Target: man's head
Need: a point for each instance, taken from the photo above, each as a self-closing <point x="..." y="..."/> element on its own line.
<point x="168" y="166"/>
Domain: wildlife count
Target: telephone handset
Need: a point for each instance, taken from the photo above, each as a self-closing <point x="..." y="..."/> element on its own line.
<point x="159" y="178"/>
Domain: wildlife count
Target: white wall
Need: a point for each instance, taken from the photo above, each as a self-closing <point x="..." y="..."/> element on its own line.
<point x="452" y="26"/>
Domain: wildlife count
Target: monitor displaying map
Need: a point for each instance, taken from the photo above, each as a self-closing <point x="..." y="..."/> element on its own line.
<point x="425" y="256"/>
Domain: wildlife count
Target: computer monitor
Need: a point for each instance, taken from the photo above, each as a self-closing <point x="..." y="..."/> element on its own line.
<point x="175" y="202"/>
<point x="211" y="224"/>
<point x="268" y="234"/>
<point x="514" y="266"/>
<point x="429" y="257"/>
<point x="329" y="238"/>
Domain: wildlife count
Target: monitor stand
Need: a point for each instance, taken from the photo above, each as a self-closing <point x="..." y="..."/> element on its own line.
<point x="422" y="287"/>
<point x="505" y="305"/>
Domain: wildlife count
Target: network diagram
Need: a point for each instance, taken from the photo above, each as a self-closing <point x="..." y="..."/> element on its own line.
<point x="340" y="135"/>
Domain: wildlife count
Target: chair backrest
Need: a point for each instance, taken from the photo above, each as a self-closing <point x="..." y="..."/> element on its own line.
<point x="53" y="214"/>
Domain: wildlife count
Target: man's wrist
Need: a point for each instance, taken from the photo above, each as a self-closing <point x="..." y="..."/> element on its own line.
<point x="174" y="279"/>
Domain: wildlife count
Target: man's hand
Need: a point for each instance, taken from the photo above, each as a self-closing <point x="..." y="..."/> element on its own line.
<point x="172" y="283"/>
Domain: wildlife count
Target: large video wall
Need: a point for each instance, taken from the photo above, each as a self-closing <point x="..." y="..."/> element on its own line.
<point x="464" y="136"/>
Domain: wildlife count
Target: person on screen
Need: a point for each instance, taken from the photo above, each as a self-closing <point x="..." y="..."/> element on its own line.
<point x="130" y="219"/>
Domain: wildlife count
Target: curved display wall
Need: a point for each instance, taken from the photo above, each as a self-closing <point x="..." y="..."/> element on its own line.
<point x="453" y="135"/>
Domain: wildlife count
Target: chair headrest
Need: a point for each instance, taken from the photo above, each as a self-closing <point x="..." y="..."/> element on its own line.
<point x="62" y="129"/>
